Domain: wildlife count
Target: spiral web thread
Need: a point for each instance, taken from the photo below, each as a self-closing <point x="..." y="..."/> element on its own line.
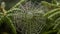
<point x="29" y="20"/>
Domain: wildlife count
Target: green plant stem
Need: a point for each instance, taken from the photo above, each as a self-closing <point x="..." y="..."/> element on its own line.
<point x="51" y="12"/>
<point x="10" y="24"/>
<point x="44" y="3"/>
<point x="17" y="4"/>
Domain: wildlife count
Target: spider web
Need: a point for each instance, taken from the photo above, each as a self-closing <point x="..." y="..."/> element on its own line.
<point x="29" y="19"/>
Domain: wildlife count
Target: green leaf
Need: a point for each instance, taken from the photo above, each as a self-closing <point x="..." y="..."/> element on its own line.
<point x="54" y="16"/>
<point x="10" y="24"/>
<point x="51" y="12"/>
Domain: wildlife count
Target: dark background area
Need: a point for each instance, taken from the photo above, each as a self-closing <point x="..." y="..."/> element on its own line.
<point x="10" y="3"/>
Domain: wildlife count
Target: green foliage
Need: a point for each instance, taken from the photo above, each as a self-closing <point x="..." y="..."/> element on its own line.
<point x="5" y="16"/>
<point x="31" y="19"/>
<point x="52" y="17"/>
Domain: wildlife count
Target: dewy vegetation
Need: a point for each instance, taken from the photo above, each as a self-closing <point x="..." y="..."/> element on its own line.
<point x="4" y="16"/>
<point x="26" y="17"/>
<point x="53" y="17"/>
